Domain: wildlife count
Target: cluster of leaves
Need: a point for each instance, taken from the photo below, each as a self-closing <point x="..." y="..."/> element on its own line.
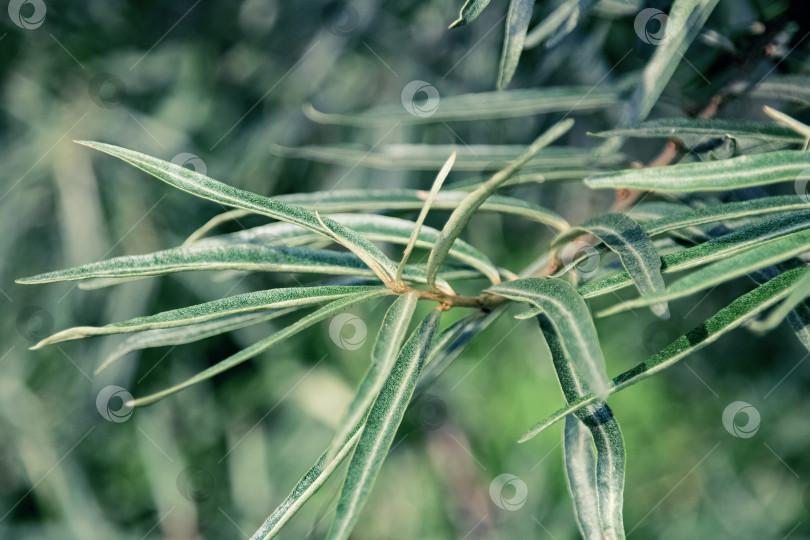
<point x="764" y="238"/>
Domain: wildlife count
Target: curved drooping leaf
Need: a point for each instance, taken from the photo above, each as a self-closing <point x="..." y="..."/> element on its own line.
<point x="381" y="426"/>
<point x="677" y="31"/>
<point x="225" y="307"/>
<point x="635" y="249"/>
<point x="307" y="486"/>
<point x="750" y="260"/>
<point x="732" y="316"/>
<point x="180" y="335"/>
<point x="517" y="24"/>
<point x="475" y="157"/>
<point x="799" y="292"/>
<point x="483" y="106"/>
<point x="572" y="322"/>
<point x="392" y="333"/>
<point x="470" y="204"/>
<point x="715" y="249"/>
<point x="580" y="471"/>
<point x="721" y="175"/>
<point x="607" y="492"/>
<point x="207" y="188"/>
<point x="469" y="12"/>
<point x="794" y="88"/>
<point x="700" y="127"/>
<point x="260" y="346"/>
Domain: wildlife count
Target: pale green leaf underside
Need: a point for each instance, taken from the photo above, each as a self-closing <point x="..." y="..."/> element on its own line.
<point x="721" y="175"/>
<point x="580" y="469"/>
<point x="469" y="12"/>
<point x="517" y="24"/>
<point x="381" y="427"/>
<point x="699" y="127"/>
<point x="732" y="316"/>
<point x="482" y="106"/>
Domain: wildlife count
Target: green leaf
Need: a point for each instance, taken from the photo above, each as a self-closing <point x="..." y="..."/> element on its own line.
<point x="260" y="346"/>
<point x="551" y="23"/>
<point x="735" y="314"/>
<point x="713" y="250"/>
<point x="734" y="173"/>
<point x="417" y="227"/>
<point x="799" y="292"/>
<point x="308" y="486"/>
<point x="755" y="258"/>
<point x="580" y="469"/>
<point x="232" y="305"/>
<point x="680" y="27"/>
<point x="207" y="188"/>
<point x="703" y="128"/>
<point x="483" y="106"/>
<point x="429" y="157"/>
<point x="468" y="206"/>
<point x="788" y="121"/>
<point x="572" y="322"/>
<point x="180" y="335"/>
<point x="517" y="24"/>
<point x="381" y="427"/>
<point x="635" y="249"/>
<point x="469" y="12"/>
<point x="794" y="88"/>
<point x="392" y="333"/>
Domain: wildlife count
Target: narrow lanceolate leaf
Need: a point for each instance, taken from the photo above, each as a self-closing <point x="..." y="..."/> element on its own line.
<point x="721" y="175"/>
<point x="635" y="249"/>
<point x="715" y="249"/>
<point x="677" y="31"/>
<point x="517" y="24"/>
<point x="580" y="471"/>
<point x="429" y="157"/>
<point x="207" y="188"/>
<point x="551" y="23"/>
<point x="794" y="88"/>
<point x="724" y="212"/>
<point x="381" y="426"/>
<point x="261" y="346"/>
<point x="417" y="227"/>
<point x="392" y="333"/>
<point x="469" y="11"/>
<point x="180" y="335"/>
<point x="470" y="204"/>
<point x="755" y="258"/>
<point x="572" y="322"/>
<point x="372" y="226"/>
<point x="307" y="486"/>
<point x="797" y="295"/>
<point x="214" y="222"/>
<point x="483" y="106"/>
<point x="608" y="472"/>
<point x="788" y="121"/>
<point x="200" y="313"/>
<point x="734" y="315"/>
<point x="700" y="127"/>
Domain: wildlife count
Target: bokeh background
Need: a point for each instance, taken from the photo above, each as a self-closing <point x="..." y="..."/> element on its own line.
<point x="226" y="82"/>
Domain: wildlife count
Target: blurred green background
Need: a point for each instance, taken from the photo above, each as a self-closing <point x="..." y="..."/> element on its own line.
<point x="225" y="81"/>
